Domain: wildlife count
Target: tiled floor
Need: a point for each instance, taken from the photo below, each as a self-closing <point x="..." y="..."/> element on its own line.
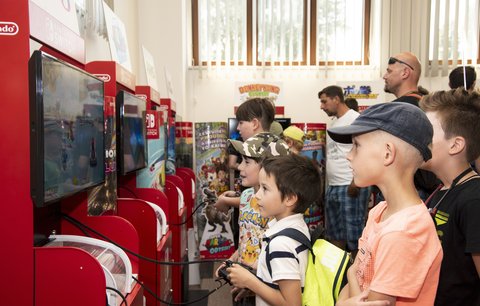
<point x="221" y="297"/>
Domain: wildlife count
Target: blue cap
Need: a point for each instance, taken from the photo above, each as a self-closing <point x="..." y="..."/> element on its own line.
<point x="403" y="120"/>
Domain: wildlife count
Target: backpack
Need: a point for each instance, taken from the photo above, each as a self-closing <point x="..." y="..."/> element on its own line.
<point x="325" y="274"/>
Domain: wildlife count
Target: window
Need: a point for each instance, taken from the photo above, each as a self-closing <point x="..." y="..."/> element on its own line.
<point x="454" y="31"/>
<point x="340" y="31"/>
<point x="221" y="36"/>
<point x="224" y="33"/>
<point x="281" y="29"/>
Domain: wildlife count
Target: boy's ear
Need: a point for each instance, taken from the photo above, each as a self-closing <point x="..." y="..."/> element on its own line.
<point x="290" y="200"/>
<point x="256" y="123"/>
<point x="456" y="145"/>
<point x="389" y="153"/>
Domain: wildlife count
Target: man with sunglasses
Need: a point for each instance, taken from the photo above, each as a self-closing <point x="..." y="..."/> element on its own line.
<point x="401" y="78"/>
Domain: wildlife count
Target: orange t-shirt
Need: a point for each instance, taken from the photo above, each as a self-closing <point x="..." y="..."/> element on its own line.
<point x="401" y="255"/>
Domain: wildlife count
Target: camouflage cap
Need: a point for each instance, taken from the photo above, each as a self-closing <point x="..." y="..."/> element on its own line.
<point x="261" y="145"/>
<point x="276" y="128"/>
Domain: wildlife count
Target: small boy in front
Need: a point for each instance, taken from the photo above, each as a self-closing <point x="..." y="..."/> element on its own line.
<point x="455" y="116"/>
<point x="399" y="252"/>
<point x="288" y="185"/>
<point x="251" y="222"/>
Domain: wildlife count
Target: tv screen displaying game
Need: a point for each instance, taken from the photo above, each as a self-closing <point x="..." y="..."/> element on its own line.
<point x="234" y="134"/>
<point x="67" y="129"/>
<point x="131" y="133"/>
<point x="232" y="129"/>
<point x="284" y="122"/>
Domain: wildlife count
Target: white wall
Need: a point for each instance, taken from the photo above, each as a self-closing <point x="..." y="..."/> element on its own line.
<point x="212" y="94"/>
<point x="163" y="27"/>
<point x="162" y="30"/>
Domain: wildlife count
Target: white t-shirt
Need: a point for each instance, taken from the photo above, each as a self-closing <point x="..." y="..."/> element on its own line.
<point x="283" y="267"/>
<point x="339" y="172"/>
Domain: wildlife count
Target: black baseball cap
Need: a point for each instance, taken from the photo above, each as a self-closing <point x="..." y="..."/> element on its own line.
<point x="403" y="120"/>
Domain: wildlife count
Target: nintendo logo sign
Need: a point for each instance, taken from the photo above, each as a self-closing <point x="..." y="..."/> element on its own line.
<point x="104" y="77"/>
<point x="8" y="28"/>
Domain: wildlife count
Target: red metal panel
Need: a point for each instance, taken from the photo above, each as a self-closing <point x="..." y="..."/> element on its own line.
<point x="179" y="233"/>
<point x="67" y="276"/>
<point x="164" y="253"/>
<point x="152" y="96"/>
<point x="188" y="177"/>
<point x="143" y="218"/>
<point x="17" y="207"/>
<point x="114" y="75"/>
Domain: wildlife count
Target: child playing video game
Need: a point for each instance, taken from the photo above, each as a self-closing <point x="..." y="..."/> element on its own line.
<point x="288" y="185"/>
<point x="252" y="224"/>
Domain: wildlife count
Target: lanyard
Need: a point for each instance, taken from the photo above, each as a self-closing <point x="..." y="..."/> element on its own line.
<point x="433" y="210"/>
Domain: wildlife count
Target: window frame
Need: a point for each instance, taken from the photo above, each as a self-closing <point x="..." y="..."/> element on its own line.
<point x="459" y="62"/>
<point x="196" y="39"/>
<point x="305" y="43"/>
<point x="312" y="39"/>
<point x="366" y="38"/>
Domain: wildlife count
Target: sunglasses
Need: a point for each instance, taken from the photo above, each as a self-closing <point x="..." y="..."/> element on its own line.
<point x="394" y="60"/>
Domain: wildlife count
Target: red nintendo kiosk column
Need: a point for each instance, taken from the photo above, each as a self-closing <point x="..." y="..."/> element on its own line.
<point x="132" y="205"/>
<point x="148" y="94"/>
<point x="176" y="191"/>
<point x="61" y="268"/>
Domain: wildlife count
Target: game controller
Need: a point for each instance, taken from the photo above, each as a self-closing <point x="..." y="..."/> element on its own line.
<point x="222" y="272"/>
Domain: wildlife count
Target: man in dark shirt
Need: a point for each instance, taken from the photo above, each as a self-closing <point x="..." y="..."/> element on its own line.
<point x="401" y="79"/>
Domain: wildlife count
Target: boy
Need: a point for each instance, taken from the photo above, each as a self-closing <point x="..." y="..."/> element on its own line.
<point x="251" y="223"/>
<point x="288" y="185"/>
<point x="254" y="116"/>
<point x="399" y="253"/>
<point x="455" y="116"/>
<point x="294" y="137"/>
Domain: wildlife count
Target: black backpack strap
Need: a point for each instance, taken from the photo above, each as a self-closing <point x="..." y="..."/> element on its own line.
<point x="290" y="233"/>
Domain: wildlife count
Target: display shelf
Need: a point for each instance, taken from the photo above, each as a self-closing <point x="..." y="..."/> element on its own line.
<point x="143" y="217"/>
<point x="114" y="261"/>
<point x="173" y="189"/>
<point x="188" y="177"/>
<point x="55" y="265"/>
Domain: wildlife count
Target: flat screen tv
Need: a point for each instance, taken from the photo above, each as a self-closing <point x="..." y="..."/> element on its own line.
<point x="131" y="133"/>
<point x="233" y="123"/>
<point x="284" y="122"/>
<point x="67" y="129"/>
<point x="233" y="133"/>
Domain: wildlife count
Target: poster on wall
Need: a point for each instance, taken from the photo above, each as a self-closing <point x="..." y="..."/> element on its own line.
<point x="153" y="176"/>
<point x="63" y="11"/>
<point x="150" y="71"/>
<point x="103" y="198"/>
<point x="249" y="90"/>
<point x="213" y="227"/>
<point x="169" y="84"/>
<point x="117" y="38"/>
<point x="366" y="93"/>
<point x="314" y="148"/>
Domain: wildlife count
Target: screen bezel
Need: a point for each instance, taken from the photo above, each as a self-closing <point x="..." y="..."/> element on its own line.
<point x="119" y="103"/>
<point x="37" y="137"/>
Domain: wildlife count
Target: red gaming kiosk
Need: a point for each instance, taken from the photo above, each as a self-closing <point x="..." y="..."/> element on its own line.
<point x="66" y="117"/>
<point x="138" y="205"/>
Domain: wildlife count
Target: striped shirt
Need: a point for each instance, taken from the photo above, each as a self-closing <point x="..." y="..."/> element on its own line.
<point x="285" y="262"/>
